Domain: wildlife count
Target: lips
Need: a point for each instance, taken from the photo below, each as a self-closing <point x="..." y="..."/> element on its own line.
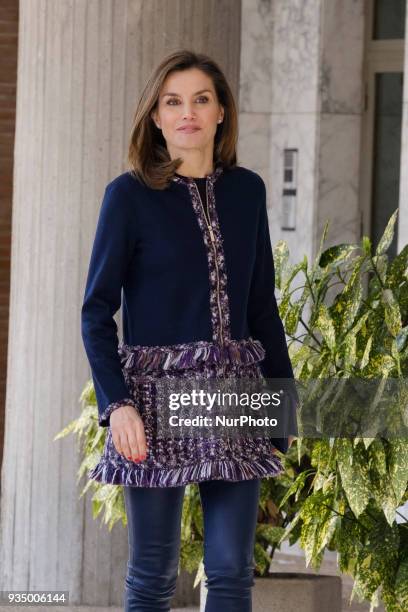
<point x="188" y="129"/>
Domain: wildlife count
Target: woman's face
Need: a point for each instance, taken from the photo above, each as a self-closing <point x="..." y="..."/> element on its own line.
<point x="188" y="98"/>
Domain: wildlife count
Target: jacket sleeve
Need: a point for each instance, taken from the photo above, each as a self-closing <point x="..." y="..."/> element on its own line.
<point x="110" y="257"/>
<point x="265" y="324"/>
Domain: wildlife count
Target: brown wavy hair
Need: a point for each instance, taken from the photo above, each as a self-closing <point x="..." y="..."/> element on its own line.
<point x="148" y="157"/>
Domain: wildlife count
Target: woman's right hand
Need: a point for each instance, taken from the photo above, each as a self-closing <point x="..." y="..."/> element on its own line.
<point x="128" y="433"/>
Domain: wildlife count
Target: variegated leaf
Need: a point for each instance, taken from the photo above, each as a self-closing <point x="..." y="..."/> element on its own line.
<point x="337" y="254"/>
<point x="300" y="356"/>
<point x="292" y="318"/>
<point x="292" y="272"/>
<point x="262" y="559"/>
<point x="380" y="262"/>
<point x="388" y="234"/>
<point x="326" y="531"/>
<point x="349" y="346"/>
<point x="325" y="325"/>
<point x="280" y="258"/>
<point x="315" y="264"/>
<point x="366" y="355"/>
<point x="271" y="533"/>
<point x="401" y="583"/>
<point x="379" y="365"/>
<point x="392" y="312"/>
<point x="398" y="466"/>
<point x="398" y="269"/>
<point x="377" y="560"/>
<point x="284" y="305"/>
<point x="366" y="245"/>
<point x="360" y="322"/>
<point x="353" y="476"/>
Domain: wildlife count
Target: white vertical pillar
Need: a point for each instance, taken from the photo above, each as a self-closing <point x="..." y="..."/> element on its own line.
<point x="403" y="198"/>
<point x="301" y="88"/>
<point x="81" y="68"/>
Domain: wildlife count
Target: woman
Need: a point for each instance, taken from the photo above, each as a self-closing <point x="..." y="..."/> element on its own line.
<point x="184" y="233"/>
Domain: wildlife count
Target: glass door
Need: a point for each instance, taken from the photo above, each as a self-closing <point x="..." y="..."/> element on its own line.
<point x="382" y="121"/>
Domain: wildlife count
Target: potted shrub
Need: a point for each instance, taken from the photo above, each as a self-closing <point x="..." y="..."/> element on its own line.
<point x="336" y="493"/>
<point x="351" y="499"/>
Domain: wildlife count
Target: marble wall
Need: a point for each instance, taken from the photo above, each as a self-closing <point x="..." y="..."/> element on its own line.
<point x="255" y="86"/>
<point x="301" y="87"/>
<point x="341" y="99"/>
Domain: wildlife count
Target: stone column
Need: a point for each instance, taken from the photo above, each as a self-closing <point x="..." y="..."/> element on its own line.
<point x="301" y="88"/>
<point x="82" y="66"/>
<point x="403" y="199"/>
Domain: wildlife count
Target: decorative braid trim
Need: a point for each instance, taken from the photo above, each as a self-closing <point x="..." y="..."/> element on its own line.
<point x="219" y="303"/>
<point x="189" y="355"/>
<point x="127" y="401"/>
<point x="211" y="469"/>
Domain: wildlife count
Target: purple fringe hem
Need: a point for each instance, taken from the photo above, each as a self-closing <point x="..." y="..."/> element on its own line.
<point x="211" y="469"/>
<point x="189" y="355"/>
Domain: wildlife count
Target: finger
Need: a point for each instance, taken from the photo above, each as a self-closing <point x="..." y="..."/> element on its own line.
<point x="126" y="452"/>
<point x="141" y="439"/>
<point x="135" y="448"/>
<point x="140" y="436"/>
<point x="137" y="437"/>
<point x="116" y="441"/>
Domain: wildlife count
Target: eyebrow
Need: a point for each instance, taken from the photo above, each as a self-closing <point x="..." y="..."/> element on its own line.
<point x="196" y="93"/>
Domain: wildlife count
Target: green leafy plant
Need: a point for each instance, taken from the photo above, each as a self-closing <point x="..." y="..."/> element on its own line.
<point x="335" y="493"/>
<point x="353" y="492"/>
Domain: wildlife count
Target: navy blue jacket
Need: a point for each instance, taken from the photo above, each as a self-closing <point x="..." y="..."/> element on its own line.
<point x="149" y="244"/>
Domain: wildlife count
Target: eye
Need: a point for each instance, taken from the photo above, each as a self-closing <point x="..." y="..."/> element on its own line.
<point x="171" y="100"/>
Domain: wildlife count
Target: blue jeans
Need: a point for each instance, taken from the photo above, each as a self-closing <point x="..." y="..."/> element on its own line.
<point x="230" y="512"/>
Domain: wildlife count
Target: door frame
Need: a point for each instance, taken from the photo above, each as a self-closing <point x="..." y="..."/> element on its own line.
<point x="380" y="56"/>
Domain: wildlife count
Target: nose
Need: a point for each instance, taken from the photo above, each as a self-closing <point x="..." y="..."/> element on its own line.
<point x="188" y="112"/>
